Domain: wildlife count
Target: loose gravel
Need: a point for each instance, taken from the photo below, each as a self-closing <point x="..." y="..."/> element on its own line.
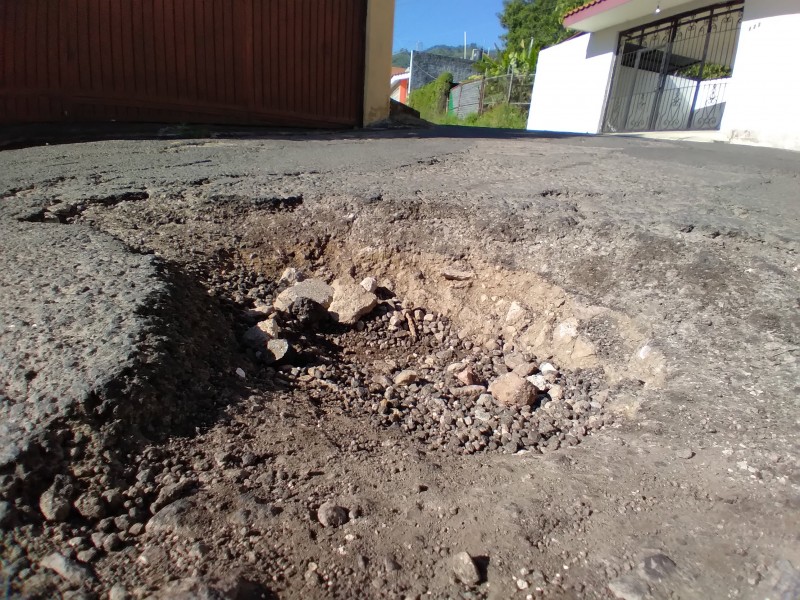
<point x="404" y="367"/>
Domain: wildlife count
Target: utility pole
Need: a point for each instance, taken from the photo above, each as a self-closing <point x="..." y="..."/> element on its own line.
<point x="465" y="44"/>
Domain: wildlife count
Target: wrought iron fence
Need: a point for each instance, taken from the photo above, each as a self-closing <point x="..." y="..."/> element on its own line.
<point x="673" y="74"/>
<point x="480" y="95"/>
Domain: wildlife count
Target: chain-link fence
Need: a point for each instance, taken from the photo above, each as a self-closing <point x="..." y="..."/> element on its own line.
<point x="480" y="95"/>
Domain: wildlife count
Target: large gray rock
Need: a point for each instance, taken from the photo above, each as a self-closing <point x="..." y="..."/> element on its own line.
<point x="351" y="302"/>
<point x="177" y="518"/>
<point x="331" y="515"/>
<point x="171" y="493"/>
<point x="313" y="289"/>
<point x="90" y="506"/>
<point x="465" y="570"/>
<point x="512" y="390"/>
<point x="277" y="350"/>
<point x="68" y="570"/>
<point x="369" y="284"/>
<point x="406" y="377"/>
<point x="54" y="503"/>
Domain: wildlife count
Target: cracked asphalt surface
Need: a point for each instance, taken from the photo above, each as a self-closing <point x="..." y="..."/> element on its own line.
<point x="672" y="266"/>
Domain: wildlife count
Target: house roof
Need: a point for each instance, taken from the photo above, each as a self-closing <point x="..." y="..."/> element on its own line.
<point x="398" y="71"/>
<point x="596" y="15"/>
<point x="396" y="79"/>
<point x="590" y="9"/>
<point x="582" y="7"/>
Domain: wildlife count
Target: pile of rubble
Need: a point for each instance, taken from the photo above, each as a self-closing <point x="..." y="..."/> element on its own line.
<point x="356" y="348"/>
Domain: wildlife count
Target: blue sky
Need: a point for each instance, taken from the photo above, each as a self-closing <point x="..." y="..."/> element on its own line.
<point x="432" y="22"/>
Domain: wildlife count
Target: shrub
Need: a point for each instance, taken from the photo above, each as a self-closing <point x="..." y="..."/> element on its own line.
<point x="505" y="116"/>
<point x="710" y="71"/>
<point x="431" y="99"/>
<point x="431" y="102"/>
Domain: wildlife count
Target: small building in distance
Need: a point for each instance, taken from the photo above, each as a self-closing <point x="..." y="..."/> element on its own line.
<point x="399" y="84"/>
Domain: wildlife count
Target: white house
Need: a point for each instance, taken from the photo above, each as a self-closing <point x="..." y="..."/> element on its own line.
<point x="661" y="65"/>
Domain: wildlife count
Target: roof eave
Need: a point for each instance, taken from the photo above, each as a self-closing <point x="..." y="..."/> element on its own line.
<point x="605" y="14"/>
<point x="584" y="19"/>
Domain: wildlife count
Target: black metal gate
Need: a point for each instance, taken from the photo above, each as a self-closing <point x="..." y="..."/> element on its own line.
<point x="673" y="74"/>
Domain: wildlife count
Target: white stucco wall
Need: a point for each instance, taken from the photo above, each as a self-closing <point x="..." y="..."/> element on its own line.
<point x="764" y="97"/>
<point x="569" y="90"/>
<point x="572" y="78"/>
<point x="761" y="101"/>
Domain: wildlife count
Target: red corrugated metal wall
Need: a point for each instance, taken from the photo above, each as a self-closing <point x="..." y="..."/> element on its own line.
<point x="274" y="62"/>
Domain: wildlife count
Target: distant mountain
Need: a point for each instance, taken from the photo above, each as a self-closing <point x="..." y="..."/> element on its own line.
<point x="402" y="58"/>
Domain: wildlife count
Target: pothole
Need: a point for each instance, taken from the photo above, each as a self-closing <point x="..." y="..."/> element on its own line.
<point x="400" y="366"/>
<point x="364" y="355"/>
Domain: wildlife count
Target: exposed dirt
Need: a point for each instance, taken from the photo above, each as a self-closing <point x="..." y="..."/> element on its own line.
<point x="660" y="459"/>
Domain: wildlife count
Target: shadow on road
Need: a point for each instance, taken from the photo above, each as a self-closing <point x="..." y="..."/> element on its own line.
<point x="30" y="135"/>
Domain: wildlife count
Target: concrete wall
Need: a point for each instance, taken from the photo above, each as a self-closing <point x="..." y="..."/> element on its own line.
<point x="378" y="60"/>
<point x="571" y="82"/>
<point x="427" y="67"/>
<point x="764" y="97"/>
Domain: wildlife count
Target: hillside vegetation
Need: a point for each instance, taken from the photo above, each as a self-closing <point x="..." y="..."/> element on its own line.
<point x="431" y="102"/>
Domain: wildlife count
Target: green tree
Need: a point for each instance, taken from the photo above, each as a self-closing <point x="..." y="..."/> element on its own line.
<point x="535" y="24"/>
<point x="520" y="61"/>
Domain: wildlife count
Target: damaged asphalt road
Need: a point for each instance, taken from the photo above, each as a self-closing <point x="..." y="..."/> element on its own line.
<point x="660" y="278"/>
